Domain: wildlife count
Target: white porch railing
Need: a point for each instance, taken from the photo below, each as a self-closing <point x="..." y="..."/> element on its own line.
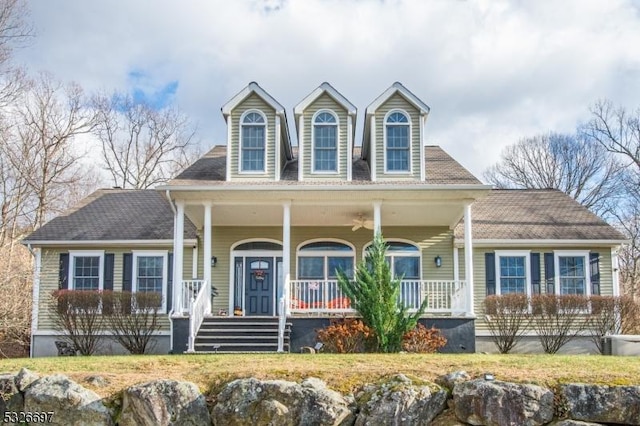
<point x="190" y="289"/>
<point x="313" y="296"/>
<point x="199" y="306"/>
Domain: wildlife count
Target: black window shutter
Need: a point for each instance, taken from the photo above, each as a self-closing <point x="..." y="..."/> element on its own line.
<point x="490" y="272"/>
<point x="127" y="271"/>
<point x="594" y="266"/>
<point x="108" y="271"/>
<point x="535" y="273"/>
<point x="169" y="281"/>
<point x="63" y="272"/>
<point x="549" y="273"/>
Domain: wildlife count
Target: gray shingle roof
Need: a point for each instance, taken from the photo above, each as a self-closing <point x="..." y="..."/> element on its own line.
<point x="523" y="214"/>
<point x="114" y="214"/>
<point x="440" y="169"/>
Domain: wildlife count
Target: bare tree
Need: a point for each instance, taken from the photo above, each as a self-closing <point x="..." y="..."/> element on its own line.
<point x="142" y="146"/>
<point x="42" y="148"/>
<point x="570" y="163"/>
<point x="618" y="130"/>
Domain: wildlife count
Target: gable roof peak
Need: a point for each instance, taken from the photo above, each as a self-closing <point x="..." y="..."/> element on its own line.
<point x="252" y="87"/>
<point x="397" y="87"/>
<point x="317" y="92"/>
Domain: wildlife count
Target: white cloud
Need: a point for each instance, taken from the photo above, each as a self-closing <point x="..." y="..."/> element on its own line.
<point x="492" y="71"/>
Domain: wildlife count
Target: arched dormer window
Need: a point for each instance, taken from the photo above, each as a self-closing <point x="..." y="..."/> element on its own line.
<point x="397" y="142"/>
<point x="325" y="142"/>
<point x="321" y="260"/>
<point x="253" y="131"/>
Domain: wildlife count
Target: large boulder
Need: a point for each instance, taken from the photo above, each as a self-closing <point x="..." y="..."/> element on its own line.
<point x="483" y="402"/>
<point x="451" y="379"/>
<point x="603" y="404"/>
<point x="24" y="378"/>
<point x="399" y="401"/>
<point x="278" y="402"/>
<point x="163" y="403"/>
<point x="10" y="397"/>
<point x="71" y="403"/>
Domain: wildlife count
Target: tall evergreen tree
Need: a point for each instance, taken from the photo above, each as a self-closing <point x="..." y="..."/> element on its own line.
<point x="375" y="294"/>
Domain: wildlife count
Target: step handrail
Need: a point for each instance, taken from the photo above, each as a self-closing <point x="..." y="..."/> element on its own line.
<point x="282" y="325"/>
<point x="199" y="306"/>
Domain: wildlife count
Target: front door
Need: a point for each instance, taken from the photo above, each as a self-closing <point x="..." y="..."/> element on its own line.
<point x="259" y="286"/>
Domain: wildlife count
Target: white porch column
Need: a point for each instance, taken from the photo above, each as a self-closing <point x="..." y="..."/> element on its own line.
<point x="207" y="250"/>
<point x="377" y="218"/>
<point x="207" y="243"/>
<point x="456" y="264"/>
<point x="178" y="247"/>
<point x="468" y="258"/>
<point x="286" y="251"/>
<point x="614" y="268"/>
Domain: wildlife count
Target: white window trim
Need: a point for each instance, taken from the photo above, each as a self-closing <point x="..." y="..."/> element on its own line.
<point x="266" y="142"/>
<point x="86" y="253"/>
<point x="527" y="265"/>
<point x="400" y="253"/>
<point x="325" y="254"/>
<point x="313" y="142"/>
<point x="384" y="145"/>
<point x="572" y="253"/>
<point x="165" y="270"/>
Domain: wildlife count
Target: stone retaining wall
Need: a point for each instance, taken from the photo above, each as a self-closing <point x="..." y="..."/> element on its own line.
<point x="456" y="398"/>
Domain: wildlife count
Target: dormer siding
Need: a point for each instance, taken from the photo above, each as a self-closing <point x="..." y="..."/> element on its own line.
<point x="398" y="103"/>
<point x="325" y="103"/>
<point x="253" y="103"/>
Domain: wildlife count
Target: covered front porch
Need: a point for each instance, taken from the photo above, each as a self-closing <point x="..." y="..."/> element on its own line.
<point x="278" y="259"/>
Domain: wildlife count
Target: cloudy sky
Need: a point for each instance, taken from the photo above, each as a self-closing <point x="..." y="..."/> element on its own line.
<point x="492" y="71"/>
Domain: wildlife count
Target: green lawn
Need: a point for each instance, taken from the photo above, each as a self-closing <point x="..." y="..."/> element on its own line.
<point x="344" y="373"/>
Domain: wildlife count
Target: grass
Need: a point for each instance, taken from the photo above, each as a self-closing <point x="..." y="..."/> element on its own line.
<point x="344" y="373"/>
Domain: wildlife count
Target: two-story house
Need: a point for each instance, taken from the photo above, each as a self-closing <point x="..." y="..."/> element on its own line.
<point x="268" y="224"/>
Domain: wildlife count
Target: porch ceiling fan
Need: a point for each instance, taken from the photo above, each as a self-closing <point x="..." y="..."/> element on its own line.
<point x="361" y="222"/>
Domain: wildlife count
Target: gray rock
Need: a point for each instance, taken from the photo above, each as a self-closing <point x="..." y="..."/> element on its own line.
<point x="10" y="397"/>
<point x="71" y="403"/>
<point x="278" y="402"/>
<point x="573" y="423"/>
<point x="450" y="380"/>
<point x="482" y="402"/>
<point x="603" y="404"/>
<point x="400" y="402"/>
<point x="24" y="378"/>
<point x="97" y="381"/>
<point x="163" y="403"/>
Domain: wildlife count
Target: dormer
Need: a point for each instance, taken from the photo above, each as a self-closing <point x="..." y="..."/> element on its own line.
<point x="393" y="136"/>
<point x="258" y="144"/>
<point x="325" y="123"/>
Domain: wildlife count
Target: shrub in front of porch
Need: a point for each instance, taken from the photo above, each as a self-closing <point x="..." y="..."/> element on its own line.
<point x="375" y="294"/>
<point x="77" y="314"/>
<point x="507" y="318"/>
<point x="132" y="318"/>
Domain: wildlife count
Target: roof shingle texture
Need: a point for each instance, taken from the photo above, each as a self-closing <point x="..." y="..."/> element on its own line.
<point x="520" y="214"/>
<point x="115" y="214"/>
<point x="440" y="168"/>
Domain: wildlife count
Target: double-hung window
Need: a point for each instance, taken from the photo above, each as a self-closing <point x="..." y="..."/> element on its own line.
<point x="404" y="260"/>
<point x="513" y="272"/>
<point x="398" y="142"/>
<point x="150" y="274"/>
<point x="325" y="142"/>
<point x="572" y="272"/>
<point x="252" y="153"/>
<point x="86" y="270"/>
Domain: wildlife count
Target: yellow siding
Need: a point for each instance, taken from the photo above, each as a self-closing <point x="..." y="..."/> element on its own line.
<point x="398" y="102"/>
<point x="326" y="102"/>
<point x="50" y="272"/>
<point x="253" y="102"/>
<point x="479" y="277"/>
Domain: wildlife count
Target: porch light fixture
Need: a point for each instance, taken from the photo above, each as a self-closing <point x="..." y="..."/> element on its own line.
<point x="214" y="261"/>
<point x="438" y="261"/>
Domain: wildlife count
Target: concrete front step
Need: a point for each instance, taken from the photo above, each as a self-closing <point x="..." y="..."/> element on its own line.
<point x="240" y="335"/>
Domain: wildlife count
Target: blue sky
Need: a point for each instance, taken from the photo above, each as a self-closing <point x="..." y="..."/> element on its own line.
<point x="492" y="71"/>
